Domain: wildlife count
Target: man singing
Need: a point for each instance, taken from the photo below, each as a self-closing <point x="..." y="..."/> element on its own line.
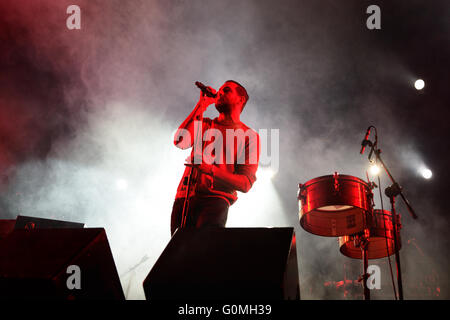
<point x="224" y="159"/>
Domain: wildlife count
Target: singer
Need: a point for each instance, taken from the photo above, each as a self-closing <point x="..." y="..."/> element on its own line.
<point x="225" y="166"/>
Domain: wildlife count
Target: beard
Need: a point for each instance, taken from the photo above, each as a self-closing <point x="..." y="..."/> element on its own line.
<point x="223" y="107"/>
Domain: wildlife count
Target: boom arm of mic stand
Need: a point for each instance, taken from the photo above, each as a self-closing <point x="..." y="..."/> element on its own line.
<point x="410" y="209"/>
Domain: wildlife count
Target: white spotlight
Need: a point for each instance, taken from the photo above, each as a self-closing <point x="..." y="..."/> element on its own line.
<point x="419" y="84"/>
<point x="426" y="173"/>
<point x="121" y="184"/>
<point x="374" y="169"/>
<point x="265" y="173"/>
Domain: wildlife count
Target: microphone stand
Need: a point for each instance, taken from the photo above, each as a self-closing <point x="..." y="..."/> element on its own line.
<point x="132" y="269"/>
<point x="190" y="181"/>
<point x="392" y="191"/>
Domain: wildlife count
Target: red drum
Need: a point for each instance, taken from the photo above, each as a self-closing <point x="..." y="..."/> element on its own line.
<point x="334" y="205"/>
<point x="380" y="235"/>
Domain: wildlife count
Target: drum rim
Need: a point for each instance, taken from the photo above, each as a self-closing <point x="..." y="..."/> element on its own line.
<point x="382" y="212"/>
<point x="349" y="251"/>
<point x="340" y="177"/>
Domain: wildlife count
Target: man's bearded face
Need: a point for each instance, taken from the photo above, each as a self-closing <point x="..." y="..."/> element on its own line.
<point x="227" y="98"/>
<point x="222" y="106"/>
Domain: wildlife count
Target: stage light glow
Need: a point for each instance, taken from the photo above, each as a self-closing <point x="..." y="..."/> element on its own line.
<point x="419" y="84"/>
<point x="121" y="184"/>
<point x="265" y="174"/>
<point x="260" y="207"/>
<point x="374" y="169"/>
<point x="426" y="173"/>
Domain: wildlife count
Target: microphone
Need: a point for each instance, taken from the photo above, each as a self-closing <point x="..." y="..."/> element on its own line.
<point x="364" y="142"/>
<point x="206" y="91"/>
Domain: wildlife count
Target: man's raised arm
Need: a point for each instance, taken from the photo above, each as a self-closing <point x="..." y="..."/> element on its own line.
<point x="184" y="136"/>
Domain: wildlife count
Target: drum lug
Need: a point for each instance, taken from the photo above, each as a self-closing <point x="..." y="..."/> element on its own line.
<point x="336" y="182"/>
<point x="367" y="234"/>
<point x="300" y="193"/>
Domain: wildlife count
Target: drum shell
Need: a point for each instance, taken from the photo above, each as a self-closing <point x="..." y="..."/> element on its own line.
<point x="334" y="205"/>
<point x="381" y="238"/>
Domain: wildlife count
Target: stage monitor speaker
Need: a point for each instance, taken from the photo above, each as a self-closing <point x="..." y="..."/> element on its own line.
<point x="24" y="222"/>
<point x="226" y="263"/>
<point x="68" y="264"/>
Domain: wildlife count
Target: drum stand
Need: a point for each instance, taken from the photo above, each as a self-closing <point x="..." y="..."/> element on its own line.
<point x="362" y="241"/>
<point x="393" y="191"/>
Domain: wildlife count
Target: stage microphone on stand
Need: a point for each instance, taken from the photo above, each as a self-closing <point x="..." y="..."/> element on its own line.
<point x="365" y="141"/>
<point x="206" y="91"/>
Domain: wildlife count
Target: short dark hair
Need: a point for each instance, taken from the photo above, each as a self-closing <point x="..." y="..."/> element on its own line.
<point x="241" y="91"/>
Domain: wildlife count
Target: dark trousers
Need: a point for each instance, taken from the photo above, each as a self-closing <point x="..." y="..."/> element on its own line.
<point x="203" y="212"/>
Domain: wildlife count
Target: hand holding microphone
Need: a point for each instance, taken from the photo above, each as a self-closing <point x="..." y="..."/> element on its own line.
<point x="208" y="95"/>
<point x="207" y="91"/>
